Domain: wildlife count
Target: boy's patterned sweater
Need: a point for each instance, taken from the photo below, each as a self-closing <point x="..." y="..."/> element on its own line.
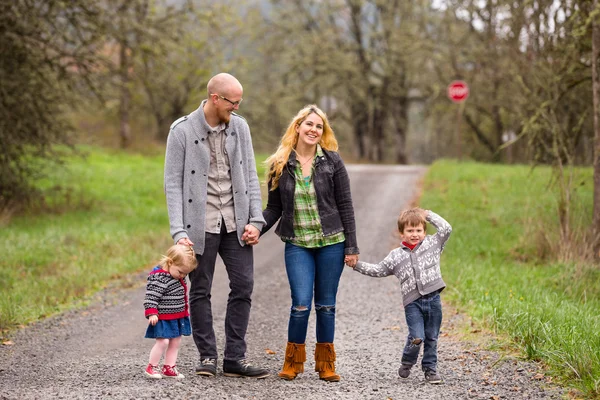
<point x="165" y="296"/>
<point x="418" y="270"/>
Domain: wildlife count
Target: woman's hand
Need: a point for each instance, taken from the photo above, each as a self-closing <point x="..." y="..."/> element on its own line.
<point x="351" y="260"/>
<point x="153" y="319"/>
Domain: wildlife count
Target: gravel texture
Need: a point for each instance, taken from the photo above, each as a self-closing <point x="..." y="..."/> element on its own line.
<point x="99" y="352"/>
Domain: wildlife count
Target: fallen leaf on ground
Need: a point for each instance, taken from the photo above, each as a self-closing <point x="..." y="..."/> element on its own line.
<point x="269" y="351"/>
<point x="7" y="343"/>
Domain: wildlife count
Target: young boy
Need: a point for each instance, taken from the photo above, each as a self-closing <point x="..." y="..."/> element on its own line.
<point x="416" y="263"/>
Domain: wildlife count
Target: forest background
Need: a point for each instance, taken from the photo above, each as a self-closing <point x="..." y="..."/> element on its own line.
<point x="120" y="72"/>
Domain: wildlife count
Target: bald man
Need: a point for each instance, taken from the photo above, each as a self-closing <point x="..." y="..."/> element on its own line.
<point x="214" y="205"/>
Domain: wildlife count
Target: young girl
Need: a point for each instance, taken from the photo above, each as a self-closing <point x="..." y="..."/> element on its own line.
<point x="166" y="307"/>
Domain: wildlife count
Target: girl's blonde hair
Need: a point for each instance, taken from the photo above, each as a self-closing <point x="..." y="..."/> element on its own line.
<point x="180" y="255"/>
<point x="277" y="160"/>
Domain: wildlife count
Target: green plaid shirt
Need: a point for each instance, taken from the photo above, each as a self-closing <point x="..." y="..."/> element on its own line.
<point x="307" y="224"/>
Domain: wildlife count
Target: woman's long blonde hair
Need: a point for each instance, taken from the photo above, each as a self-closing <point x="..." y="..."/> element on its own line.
<point x="277" y="160"/>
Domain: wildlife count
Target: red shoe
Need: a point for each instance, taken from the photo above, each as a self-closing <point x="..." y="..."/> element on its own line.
<point x="171" y="372"/>
<point x="153" y="372"/>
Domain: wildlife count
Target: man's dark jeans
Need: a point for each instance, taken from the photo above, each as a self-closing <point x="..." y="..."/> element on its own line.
<point x="239" y="264"/>
<point x="424" y="318"/>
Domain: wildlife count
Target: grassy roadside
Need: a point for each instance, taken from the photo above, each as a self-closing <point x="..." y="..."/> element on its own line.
<point x="548" y="310"/>
<point x="109" y="221"/>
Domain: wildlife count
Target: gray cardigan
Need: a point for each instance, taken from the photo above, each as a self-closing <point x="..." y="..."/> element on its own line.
<point x="418" y="270"/>
<point x="186" y="177"/>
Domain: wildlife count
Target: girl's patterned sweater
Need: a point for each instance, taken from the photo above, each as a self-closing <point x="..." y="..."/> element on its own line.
<point x="418" y="270"/>
<point x="165" y="296"/>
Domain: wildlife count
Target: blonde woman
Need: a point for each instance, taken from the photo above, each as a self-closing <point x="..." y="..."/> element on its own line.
<point x="309" y="194"/>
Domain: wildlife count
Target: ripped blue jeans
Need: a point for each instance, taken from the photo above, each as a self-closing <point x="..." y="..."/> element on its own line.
<point x="313" y="271"/>
<point x="424" y="319"/>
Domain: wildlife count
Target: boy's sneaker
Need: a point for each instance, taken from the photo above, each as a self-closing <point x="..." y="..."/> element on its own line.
<point x="171" y="372"/>
<point x="404" y="370"/>
<point x="243" y="368"/>
<point x="207" y="367"/>
<point x="432" y="377"/>
<point x="153" y="372"/>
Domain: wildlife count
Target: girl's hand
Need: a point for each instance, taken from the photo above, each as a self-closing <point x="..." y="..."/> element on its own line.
<point x="153" y="319"/>
<point x="351" y="260"/>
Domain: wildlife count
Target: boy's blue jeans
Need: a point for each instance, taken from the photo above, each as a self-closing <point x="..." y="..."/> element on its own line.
<point x="424" y="318"/>
<point x="318" y="271"/>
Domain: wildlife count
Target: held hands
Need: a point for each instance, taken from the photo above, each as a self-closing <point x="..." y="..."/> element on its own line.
<point x="153" y="319"/>
<point x="351" y="260"/>
<point x="251" y="235"/>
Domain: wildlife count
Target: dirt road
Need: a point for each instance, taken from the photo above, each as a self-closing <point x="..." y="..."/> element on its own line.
<point x="100" y="353"/>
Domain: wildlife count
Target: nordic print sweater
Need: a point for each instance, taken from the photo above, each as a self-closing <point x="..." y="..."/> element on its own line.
<point x="418" y="270"/>
<point x="165" y="296"/>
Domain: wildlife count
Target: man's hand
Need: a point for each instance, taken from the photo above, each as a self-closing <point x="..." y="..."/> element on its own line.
<point x="351" y="260"/>
<point x="185" y="241"/>
<point x="250" y="235"/>
<point x="153" y="319"/>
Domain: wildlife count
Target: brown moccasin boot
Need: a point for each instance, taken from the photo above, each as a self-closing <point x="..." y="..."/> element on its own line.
<point x="325" y="362"/>
<point x="295" y="356"/>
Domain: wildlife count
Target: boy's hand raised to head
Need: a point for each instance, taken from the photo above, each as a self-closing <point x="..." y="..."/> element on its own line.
<point x="351" y="260"/>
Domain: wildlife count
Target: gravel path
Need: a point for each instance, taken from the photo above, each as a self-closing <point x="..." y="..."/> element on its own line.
<point x="100" y="352"/>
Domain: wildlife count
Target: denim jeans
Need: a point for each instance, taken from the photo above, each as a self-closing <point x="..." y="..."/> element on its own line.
<point x="424" y="318"/>
<point x="317" y="271"/>
<point x="239" y="264"/>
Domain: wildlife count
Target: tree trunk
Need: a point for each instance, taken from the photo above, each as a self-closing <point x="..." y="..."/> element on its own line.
<point x="125" y="100"/>
<point x="360" y="122"/>
<point x="596" y="102"/>
<point x="400" y="117"/>
<point x="379" y="118"/>
<point x="162" y="127"/>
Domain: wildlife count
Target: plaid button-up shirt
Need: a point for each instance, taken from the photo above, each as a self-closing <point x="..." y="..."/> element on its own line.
<point x="307" y="224"/>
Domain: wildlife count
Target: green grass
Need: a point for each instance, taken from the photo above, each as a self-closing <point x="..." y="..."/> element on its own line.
<point x="109" y="221"/>
<point x="549" y="310"/>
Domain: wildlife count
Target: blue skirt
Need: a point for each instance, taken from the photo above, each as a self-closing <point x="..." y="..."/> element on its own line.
<point x="169" y="329"/>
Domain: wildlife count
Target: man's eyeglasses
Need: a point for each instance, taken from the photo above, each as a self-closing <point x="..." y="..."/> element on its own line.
<point x="233" y="103"/>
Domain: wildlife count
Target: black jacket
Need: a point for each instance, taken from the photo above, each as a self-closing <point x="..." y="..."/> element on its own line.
<point x="334" y="200"/>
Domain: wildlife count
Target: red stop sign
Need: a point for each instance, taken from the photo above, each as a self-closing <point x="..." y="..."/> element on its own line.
<point x="458" y="91"/>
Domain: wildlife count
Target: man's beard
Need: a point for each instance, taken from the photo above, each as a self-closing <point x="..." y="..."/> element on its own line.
<point x="224" y="117"/>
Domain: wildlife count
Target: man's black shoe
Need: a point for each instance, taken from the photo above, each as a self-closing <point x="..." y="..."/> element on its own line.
<point x="207" y="367"/>
<point x="243" y="368"/>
